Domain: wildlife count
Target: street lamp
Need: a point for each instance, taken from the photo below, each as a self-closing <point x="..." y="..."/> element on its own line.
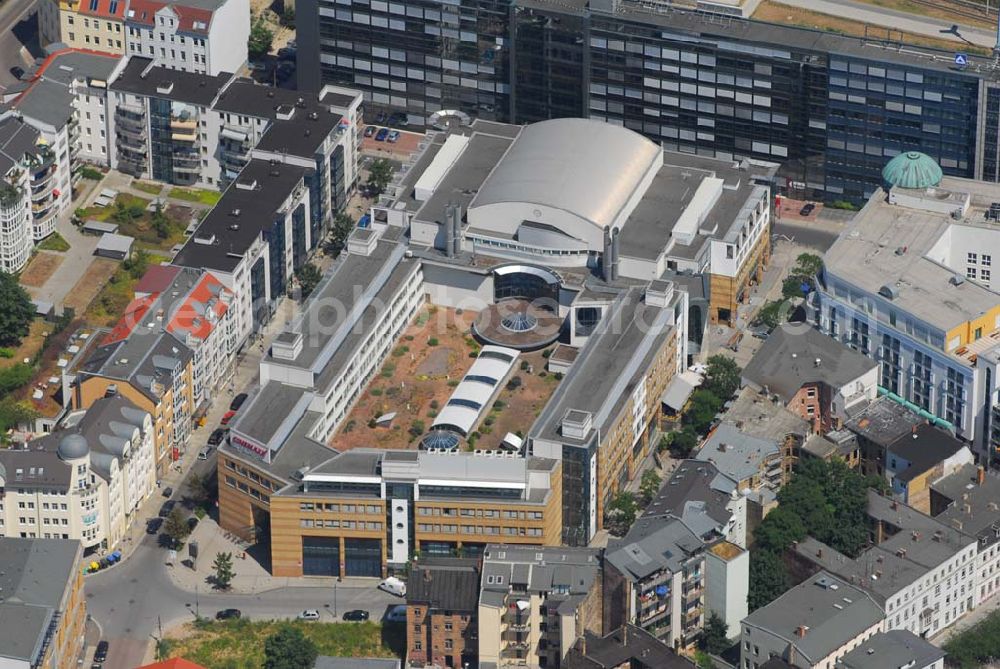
<point x="334" y="600"/>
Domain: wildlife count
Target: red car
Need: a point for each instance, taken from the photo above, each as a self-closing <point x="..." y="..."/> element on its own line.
<point x="228" y="417"/>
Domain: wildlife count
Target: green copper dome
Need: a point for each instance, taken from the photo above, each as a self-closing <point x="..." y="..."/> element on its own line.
<point x="912" y="170"/>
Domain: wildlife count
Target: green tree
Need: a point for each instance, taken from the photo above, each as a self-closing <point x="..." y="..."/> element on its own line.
<point x="16" y="311"/>
<point x="224" y="573"/>
<point x="649" y="485"/>
<point x="137" y="264"/>
<point x="14" y="377"/>
<point x="702" y="660"/>
<point x="772" y="314"/>
<point x="343" y="226"/>
<point x="702" y="410"/>
<point x="176" y="526"/>
<point x="309" y="277"/>
<point x="161" y="224"/>
<point x="125" y="214"/>
<point x="807" y="266"/>
<point x="684" y="442"/>
<point x="768" y="578"/>
<point x="261" y="37"/>
<point x="714" y="639"/>
<point x="722" y="376"/>
<point x="379" y="175"/>
<point x="621" y="513"/>
<point x="288" y="648"/>
<point x="14" y="413"/>
<point x="197" y="488"/>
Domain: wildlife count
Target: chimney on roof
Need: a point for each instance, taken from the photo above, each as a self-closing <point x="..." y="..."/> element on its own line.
<point x="722" y="447"/>
<point x="427" y="575"/>
<point x="819" y="552"/>
<point x="818" y="362"/>
<point x="800" y="631"/>
<point x="913" y="429"/>
<point x="625" y="635"/>
<point x="980" y="475"/>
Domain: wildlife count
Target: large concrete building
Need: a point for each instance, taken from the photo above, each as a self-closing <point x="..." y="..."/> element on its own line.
<point x="831" y="108"/>
<point x="24" y="162"/>
<point x="44" y="609"/>
<point x="909" y="284"/>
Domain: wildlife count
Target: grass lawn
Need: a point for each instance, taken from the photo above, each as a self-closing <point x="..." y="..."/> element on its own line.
<point x="141" y="228"/>
<point x="109" y="304"/>
<point x="148" y="187"/>
<point x="54" y="242"/>
<point x="209" y="197"/>
<point x="239" y="644"/>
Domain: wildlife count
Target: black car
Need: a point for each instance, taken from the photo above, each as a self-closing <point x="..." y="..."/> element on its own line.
<point x="371" y="130"/>
<point x="101" y="654"/>
<point x="167" y="507"/>
<point x="216" y="437"/>
<point x="18" y="72"/>
<point x="153" y="525"/>
<point x="168" y="491"/>
<point x="807" y="209"/>
<point x="192" y="523"/>
<point x="228" y="614"/>
<point x="237" y="402"/>
<point x="356" y="616"/>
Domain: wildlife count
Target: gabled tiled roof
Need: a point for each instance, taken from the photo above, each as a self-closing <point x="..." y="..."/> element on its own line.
<point x="194" y="17"/>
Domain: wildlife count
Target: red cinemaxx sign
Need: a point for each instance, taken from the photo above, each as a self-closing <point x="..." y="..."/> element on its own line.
<point x="248" y="445"/>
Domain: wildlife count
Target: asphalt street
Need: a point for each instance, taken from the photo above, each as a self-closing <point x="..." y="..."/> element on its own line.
<point x="18" y="38"/>
<point x="133" y="601"/>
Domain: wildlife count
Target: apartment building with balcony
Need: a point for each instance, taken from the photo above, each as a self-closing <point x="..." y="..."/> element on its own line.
<point x="66" y="101"/>
<point x="254" y="240"/>
<point x="20" y="159"/>
<point x="84" y="481"/>
<point x="535" y="603"/>
<point x="442" y="600"/>
<point x="44" y="599"/>
<point x="159" y="121"/>
<point x="199" y="36"/>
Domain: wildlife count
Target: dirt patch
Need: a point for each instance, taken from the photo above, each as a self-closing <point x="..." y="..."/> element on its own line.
<point x="81" y="295"/>
<point x="30" y="345"/>
<point x="417" y="379"/>
<point x="41" y="267"/>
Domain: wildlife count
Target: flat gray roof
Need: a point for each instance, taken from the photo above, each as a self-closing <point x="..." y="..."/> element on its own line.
<point x="298" y="451"/>
<point x="968" y="504"/>
<point x="611" y="363"/>
<point x="895" y="648"/>
<point x="757" y="416"/>
<point x="866" y="255"/>
<point x="264" y="416"/>
<point x="736" y="454"/>
<point x="35" y="576"/>
<point x="832" y="615"/>
<point x="49" y="98"/>
<point x="884" y="421"/>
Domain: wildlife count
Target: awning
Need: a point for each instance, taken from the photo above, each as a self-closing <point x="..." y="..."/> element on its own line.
<point x="228" y="133"/>
<point x="679" y="390"/>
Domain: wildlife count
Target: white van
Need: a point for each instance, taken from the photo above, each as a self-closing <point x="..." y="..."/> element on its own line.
<point x="393" y="586"/>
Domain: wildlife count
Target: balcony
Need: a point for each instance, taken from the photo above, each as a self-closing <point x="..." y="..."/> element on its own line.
<point x="183" y="123"/>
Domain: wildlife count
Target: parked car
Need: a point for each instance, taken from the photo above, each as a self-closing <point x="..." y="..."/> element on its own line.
<point x="286" y="53"/>
<point x="97" y="665"/>
<point x="168" y="491"/>
<point x="381" y="134"/>
<point x="258" y="67"/>
<point x="292" y="44"/>
<point x="356" y="616"/>
<point x="237" y="402"/>
<point x="226" y="418"/>
<point x="807" y="209"/>
<point x="396" y="614"/>
<point x="192" y="523"/>
<point x="101" y="653"/>
<point x="309" y="614"/>
<point x="153" y="525"/>
<point x="216" y="437"/>
<point x="167" y="507"/>
<point x="393" y="586"/>
<point x="228" y="614"/>
<point x="370" y="130"/>
<point x="18" y="72"/>
<point x="393" y="136"/>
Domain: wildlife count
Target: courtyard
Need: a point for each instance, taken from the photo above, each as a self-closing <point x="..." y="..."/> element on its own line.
<point x="418" y="377"/>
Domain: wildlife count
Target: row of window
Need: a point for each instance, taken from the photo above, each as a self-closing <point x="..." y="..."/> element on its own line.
<point x="480" y="529"/>
<point x="341" y="524"/>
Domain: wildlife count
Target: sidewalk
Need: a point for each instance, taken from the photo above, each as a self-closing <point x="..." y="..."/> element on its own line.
<point x="251" y="578"/>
